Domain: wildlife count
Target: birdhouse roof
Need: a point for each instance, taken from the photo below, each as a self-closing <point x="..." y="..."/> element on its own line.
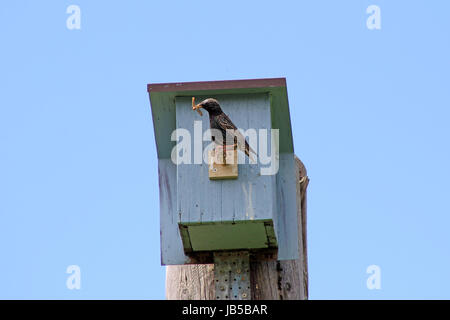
<point x="162" y="100"/>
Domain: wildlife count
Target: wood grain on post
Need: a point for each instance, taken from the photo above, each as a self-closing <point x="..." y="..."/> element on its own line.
<point x="270" y="280"/>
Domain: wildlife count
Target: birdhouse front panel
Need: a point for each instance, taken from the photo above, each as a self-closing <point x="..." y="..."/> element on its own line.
<point x="226" y="214"/>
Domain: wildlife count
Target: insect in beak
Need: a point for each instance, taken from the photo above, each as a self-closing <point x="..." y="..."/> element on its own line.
<point x="196" y="107"/>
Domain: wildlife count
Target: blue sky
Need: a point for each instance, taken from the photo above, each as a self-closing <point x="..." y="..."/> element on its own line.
<point x="370" y="113"/>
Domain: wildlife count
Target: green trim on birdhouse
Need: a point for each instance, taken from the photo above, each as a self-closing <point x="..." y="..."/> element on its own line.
<point x="228" y="235"/>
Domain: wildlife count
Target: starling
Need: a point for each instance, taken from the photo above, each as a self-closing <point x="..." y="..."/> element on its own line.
<point x="219" y="120"/>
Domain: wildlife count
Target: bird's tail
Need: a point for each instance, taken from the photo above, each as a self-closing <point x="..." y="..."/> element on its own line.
<point x="250" y="153"/>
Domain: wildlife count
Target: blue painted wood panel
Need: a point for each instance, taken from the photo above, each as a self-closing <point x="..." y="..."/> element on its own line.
<point x="285" y="223"/>
<point x="172" y="251"/>
<point x="252" y="195"/>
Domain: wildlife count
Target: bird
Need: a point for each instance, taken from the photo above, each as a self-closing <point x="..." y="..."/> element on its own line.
<point x="220" y="121"/>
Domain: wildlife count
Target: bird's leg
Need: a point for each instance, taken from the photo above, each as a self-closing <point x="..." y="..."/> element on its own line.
<point x="224" y="154"/>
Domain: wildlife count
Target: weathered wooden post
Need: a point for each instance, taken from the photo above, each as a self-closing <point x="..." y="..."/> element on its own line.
<point x="230" y="239"/>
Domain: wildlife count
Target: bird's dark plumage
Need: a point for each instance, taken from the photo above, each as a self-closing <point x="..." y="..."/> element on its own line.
<point x="229" y="133"/>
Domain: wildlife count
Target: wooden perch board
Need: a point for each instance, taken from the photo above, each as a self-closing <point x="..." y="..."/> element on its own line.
<point x="222" y="165"/>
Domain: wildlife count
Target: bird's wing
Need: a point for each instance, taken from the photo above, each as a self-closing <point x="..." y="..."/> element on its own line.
<point x="226" y="124"/>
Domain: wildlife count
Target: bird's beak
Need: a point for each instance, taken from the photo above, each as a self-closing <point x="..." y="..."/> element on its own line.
<point x="196" y="106"/>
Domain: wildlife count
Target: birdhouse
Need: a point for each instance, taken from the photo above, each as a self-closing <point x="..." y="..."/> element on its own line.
<point x="243" y="203"/>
